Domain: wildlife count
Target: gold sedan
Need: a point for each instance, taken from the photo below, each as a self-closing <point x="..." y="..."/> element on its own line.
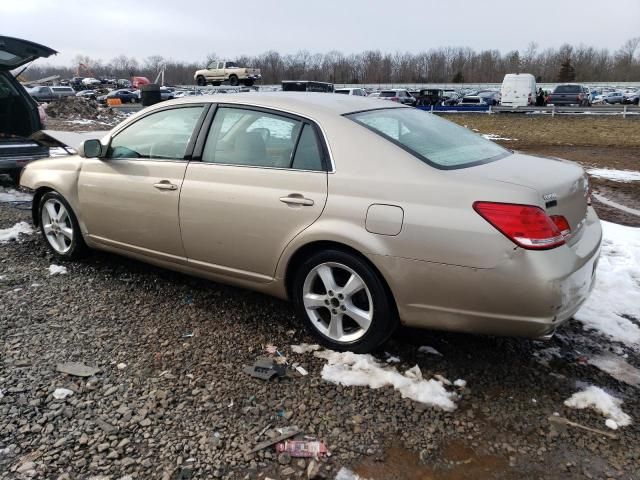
<point x="364" y="215"/>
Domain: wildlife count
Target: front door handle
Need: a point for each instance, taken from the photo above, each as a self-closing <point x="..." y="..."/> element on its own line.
<point x="165" y="185"/>
<point x="296" y="199"/>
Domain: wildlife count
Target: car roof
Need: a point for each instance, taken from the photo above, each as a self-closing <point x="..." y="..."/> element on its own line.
<point x="306" y="104"/>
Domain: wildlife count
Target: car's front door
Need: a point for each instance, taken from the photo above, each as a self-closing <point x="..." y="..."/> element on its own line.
<point x="261" y="181"/>
<point x="129" y="199"/>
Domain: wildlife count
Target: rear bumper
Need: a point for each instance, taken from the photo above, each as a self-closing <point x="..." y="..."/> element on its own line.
<point x="529" y="294"/>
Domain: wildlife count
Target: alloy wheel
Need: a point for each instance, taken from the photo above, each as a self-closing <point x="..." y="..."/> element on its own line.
<point x="338" y="302"/>
<point x="57" y="226"/>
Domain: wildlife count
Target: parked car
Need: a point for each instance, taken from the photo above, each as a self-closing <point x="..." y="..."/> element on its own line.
<point x="125" y="96"/>
<point x="41" y="93"/>
<point x="430" y="96"/>
<point x="490" y="97"/>
<point x="20" y="116"/>
<point x="631" y="98"/>
<point x="363" y="241"/>
<point x="90" y="82"/>
<point x="518" y="90"/>
<point x="87" y="94"/>
<point x="123" y="83"/>
<point x="358" y="92"/>
<point x="399" y="95"/>
<point x="473" y="100"/>
<point x="569" y="94"/>
<point x="613" y="97"/>
<point x="218" y="72"/>
<point x="306" y="86"/>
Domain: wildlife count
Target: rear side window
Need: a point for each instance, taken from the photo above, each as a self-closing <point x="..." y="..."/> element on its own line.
<point x="308" y="156"/>
<point x="435" y="141"/>
<point x="162" y="135"/>
<point x="253" y="138"/>
<point x="388" y="93"/>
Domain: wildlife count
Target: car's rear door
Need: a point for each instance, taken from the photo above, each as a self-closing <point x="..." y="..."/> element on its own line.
<point x="262" y="179"/>
<point x="129" y="199"/>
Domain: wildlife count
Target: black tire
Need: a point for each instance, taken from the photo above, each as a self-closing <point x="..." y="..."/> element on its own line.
<point x="201" y="81"/>
<point x="77" y="247"/>
<point x="384" y="318"/>
<point x="249" y="82"/>
<point x="233" y="80"/>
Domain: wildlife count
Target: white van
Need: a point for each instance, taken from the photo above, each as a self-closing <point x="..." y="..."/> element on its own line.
<point x="518" y="90"/>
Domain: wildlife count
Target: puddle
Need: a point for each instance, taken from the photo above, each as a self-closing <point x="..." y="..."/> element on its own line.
<point x="618" y="368"/>
<point x="456" y="461"/>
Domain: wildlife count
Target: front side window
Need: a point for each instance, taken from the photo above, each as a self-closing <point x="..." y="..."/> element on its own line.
<point x="435" y="141"/>
<point x="163" y="135"/>
<point x="254" y="138"/>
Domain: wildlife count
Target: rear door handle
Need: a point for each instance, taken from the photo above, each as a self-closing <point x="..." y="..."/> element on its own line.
<point x="165" y="185"/>
<point x="296" y="199"/>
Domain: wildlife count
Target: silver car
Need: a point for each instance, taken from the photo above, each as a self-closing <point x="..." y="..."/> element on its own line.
<point x="364" y="213"/>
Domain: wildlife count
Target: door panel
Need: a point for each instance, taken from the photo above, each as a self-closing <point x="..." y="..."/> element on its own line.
<point x="234" y="222"/>
<point x="120" y="203"/>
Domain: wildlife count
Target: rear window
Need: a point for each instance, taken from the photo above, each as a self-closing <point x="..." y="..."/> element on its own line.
<point x="438" y="142"/>
<point x="344" y="92"/>
<point x="568" y="89"/>
<point x="388" y="93"/>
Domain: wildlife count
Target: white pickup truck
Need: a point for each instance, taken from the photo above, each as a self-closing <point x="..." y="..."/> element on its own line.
<point x="218" y="72"/>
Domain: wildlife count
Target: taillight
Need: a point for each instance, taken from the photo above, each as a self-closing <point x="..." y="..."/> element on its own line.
<point x="562" y="224"/>
<point x="527" y="226"/>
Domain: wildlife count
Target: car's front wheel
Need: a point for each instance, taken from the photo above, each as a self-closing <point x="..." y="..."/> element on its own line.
<point x="201" y="81"/>
<point x="343" y="302"/>
<point x="59" y="226"/>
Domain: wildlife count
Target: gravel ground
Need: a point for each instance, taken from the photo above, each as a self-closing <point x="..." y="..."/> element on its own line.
<point x="182" y="407"/>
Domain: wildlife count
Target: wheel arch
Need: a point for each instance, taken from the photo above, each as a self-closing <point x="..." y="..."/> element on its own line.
<point x="35" y="204"/>
<point x="304" y="251"/>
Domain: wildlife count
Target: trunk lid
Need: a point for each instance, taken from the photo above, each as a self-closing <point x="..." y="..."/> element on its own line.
<point x="562" y="185"/>
<point x="15" y="52"/>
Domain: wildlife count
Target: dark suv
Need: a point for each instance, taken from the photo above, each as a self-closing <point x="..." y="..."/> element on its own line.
<point x="19" y="115"/>
<point x="569" y="94"/>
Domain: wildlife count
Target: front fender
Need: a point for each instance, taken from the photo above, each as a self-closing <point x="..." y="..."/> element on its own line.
<point x="59" y="174"/>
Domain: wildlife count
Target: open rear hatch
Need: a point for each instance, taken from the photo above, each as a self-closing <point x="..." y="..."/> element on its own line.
<point x="15" y="52"/>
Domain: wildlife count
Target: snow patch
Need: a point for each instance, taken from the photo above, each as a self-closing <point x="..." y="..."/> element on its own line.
<point x="617" y="367"/>
<point x="617" y="291"/>
<point x="615" y="175"/>
<point x="13" y="233"/>
<point x="346" y="474"/>
<point x="597" y="399"/>
<point x="460" y="383"/>
<point x="304" y="348"/>
<point x="13" y="195"/>
<point x="351" y="369"/>
<point x="428" y="349"/>
<point x="62" y="393"/>
<point x="57" y="270"/>
<point x="495" y="136"/>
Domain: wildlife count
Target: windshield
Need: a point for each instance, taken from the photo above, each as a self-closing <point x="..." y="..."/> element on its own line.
<point x="388" y="93"/>
<point x="438" y="142"/>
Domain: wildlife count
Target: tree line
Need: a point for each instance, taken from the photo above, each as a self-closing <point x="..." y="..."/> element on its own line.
<point x="439" y="65"/>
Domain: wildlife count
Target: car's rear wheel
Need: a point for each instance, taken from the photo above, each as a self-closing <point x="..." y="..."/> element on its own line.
<point x="59" y="226"/>
<point x="343" y="302"/>
<point x="248" y="82"/>
<point x="201" y="81"/>
<point x="233" y="80"/>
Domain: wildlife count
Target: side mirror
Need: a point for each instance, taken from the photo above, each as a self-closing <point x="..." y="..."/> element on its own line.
<point x="91" y="148"/>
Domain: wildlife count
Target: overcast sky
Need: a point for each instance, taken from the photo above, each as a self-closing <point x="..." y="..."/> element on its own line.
<point x="189" y="30"/>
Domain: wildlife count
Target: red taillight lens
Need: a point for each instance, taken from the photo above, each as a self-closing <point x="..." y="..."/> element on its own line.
<point x="562" y="224"/>
<point x="527" y="226"/>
